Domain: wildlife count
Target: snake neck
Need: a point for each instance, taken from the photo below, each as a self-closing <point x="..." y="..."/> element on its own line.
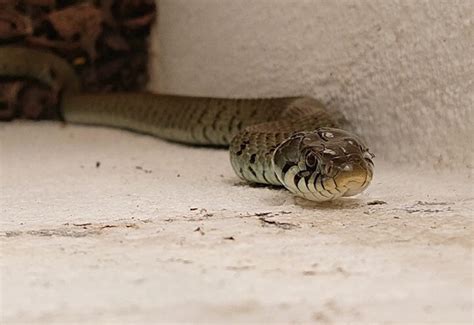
<point x="252" y="150"/>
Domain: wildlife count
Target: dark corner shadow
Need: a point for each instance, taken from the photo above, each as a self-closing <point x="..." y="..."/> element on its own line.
<point x="339" y="204"/>
<point x="237" y="182"/>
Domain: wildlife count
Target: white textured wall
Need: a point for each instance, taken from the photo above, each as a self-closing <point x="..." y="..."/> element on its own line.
<point x="400" y="71"/>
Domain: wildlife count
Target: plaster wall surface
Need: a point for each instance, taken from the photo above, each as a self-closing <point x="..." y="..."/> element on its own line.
<point x="401" y="72"/>
<point x="159" y="232"/>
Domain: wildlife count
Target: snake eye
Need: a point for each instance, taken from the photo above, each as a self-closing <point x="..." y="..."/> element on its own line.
<point x="311" y="159"/>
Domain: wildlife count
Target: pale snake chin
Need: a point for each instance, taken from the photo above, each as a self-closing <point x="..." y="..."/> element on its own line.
<point x="290" y="141"/>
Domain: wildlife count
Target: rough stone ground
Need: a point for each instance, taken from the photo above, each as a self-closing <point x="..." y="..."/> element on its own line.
<point x="101" y="225"/>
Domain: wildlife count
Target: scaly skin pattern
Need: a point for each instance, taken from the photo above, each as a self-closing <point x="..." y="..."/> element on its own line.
<point x="257" y="131"/>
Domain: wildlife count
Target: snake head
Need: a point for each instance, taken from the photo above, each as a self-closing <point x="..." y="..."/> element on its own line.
<point x="324" y="164"/>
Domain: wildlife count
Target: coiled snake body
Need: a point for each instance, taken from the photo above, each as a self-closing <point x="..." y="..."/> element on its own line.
<point x="288" y="141"/>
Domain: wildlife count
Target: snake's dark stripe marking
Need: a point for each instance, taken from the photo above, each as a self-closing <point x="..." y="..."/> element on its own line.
<point x="231" y="124"/>
<point x="322" y="185"/>
<point x="253" y="172"/>
<point x="306" y="179"/>
<point x="320" y="180"/>
<point x="264" y="177"/>
<point x="330" y="192"/>
<point x="254" y="112"/>
<point x="216" y="118"/>
<point x="193" y="134"/>
<point x="296" y="180"/>
<point x="303" y="186"/>
<point x="252" y="158"/>
<point x="286" y="168"/>
<point x="199" y="119"/>
<point x="305" y="175"/>
<point x="337" y="186"/>
<point x="241" y="149"/>
<point x="205" y="135"/>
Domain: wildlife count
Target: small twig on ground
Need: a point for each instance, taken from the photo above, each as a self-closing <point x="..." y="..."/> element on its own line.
<point x="282" y="225"/>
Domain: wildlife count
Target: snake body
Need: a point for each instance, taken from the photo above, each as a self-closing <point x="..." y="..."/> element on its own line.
<point x="290" y="141"/>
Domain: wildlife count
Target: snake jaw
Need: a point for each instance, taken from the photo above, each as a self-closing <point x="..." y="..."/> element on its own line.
<point x="323" y="165"/>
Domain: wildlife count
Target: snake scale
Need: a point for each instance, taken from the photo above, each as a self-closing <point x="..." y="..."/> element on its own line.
<point x="291" y="141"/>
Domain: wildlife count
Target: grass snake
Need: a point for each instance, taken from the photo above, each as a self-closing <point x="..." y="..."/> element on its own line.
<point x="290" y="141"/>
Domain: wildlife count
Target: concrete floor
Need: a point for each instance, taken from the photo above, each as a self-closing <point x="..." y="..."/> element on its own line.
<point x="101" y="225"/>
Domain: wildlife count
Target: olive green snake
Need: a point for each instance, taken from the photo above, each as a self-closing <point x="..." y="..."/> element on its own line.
<point x="291" y="141"/>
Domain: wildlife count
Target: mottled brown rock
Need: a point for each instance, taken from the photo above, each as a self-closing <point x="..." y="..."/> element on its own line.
<point x="81" y="22"/>
<point x="105" y="41"/>
<point x="14" y="25"/>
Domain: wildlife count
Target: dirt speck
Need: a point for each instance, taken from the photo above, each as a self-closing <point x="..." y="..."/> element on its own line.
<point x="376" y="202"/>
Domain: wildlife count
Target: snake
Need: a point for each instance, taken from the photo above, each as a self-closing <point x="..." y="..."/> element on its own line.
<point x="284" y="141"/>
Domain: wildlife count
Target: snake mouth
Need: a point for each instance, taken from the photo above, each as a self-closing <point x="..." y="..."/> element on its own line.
<point x="316" y="186"/>
<point x="354" y="180"/>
